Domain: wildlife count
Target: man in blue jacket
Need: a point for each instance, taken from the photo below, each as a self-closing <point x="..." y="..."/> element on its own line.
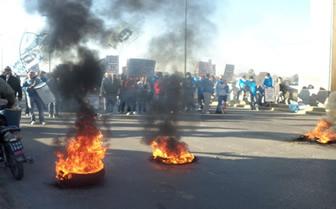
<point x="34" y="99"/>
<point x="207" y="89"/>
<point x="252" y="86"/>
<point x="241" y="86"/>
<point x="268" y="81"/>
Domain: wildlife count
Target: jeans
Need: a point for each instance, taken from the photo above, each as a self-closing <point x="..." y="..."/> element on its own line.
<point x="53" y="108"/>
<point x="131" y="104"/>
<point x="141" y="106"/>
<point x="221" y="101"/>
<point x="189" y="101"/>
<point x="109" y="103"/>
<point x="36" y="102"/>
<point x="253" y="102"/>
<point x="239" y="92"/>
<point x="200" y="100"/>
<point x="207" y="97"/>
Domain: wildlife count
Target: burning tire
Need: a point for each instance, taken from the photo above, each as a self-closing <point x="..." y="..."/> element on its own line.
<point x="82" y="163"/>
<point x="168" y="150"/>
<point x="80" y="180"/>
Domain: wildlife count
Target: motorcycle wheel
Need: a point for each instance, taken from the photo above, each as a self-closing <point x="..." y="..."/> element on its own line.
<point x="15" y="167"/>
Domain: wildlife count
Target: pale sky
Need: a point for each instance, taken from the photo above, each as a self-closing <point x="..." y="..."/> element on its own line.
<point x="282" y="37"/>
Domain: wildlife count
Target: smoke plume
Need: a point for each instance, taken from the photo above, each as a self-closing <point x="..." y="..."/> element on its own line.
<point x="162" y="120"/>
<point x="70" y="26"/>
<point x="167" y="46"/>
<point x="71" y="23"/>
<point x="77" y="79"/>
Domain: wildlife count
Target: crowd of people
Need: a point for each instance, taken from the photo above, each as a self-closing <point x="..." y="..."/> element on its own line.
<point x="134" y="95"/>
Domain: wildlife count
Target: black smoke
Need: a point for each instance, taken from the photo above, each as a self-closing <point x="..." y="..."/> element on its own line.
<point x="167" y="45"/>
<point x="71" y="24"/>
<point x="162" y="117"/>
<point x="77" y="79"/>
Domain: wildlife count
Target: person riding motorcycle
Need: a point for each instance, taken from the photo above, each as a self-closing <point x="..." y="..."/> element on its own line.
<point x="7" y="95"/>
<point x="7" y="100"/>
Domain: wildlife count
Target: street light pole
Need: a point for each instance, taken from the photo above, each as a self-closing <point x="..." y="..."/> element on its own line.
<point x="333" y="50"/>
<point x="185" y="36"/>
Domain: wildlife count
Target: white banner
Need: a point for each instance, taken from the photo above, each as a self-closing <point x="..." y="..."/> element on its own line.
<point x="229" y="73"/>
<point x="45" y="94"/>
<point x="269" y="95"/>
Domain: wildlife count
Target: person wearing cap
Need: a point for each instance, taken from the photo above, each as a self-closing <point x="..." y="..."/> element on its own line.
<point x="33" y="98"/>
<point x="13" y="82"/>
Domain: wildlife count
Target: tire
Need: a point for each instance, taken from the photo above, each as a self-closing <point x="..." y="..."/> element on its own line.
<point x="15" y="167"/>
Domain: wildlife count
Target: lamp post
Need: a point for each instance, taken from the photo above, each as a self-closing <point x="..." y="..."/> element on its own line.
<point x="333" y="50"/>
<point x="185" y="36"/>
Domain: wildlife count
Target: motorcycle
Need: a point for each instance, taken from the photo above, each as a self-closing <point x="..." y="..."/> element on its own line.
<point x="11" y="147"/>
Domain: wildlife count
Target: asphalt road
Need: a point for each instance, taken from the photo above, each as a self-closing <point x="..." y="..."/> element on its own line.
<point x="246" y="160"/>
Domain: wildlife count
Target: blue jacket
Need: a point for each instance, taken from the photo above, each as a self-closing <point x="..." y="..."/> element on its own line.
<point x="252" y="87"/>
<point x="31" y="92"/>
<point x="242" y="83"/>
<point x="222" y="89"/>
<point x="268" y="82"/>
<point x="261" y="90"/>
<point x="206" y="86"/>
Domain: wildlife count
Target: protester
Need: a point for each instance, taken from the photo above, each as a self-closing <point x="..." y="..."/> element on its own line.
<point x="200" y="97"/>
<point x="304" y="95"/>
<point x="241" y="86"/>
<point x="33" y="98"/>
<point x="6" y="93"/>
<point x="188" y="87"/>
<point x="207" y="89"/>
<point x="142" y="95"/>
<point x="252" y="87"/>
<point x="109" y="90"/>
<point x="222" y="92"/>
<point x="130" y="95"/>
<point x="156" y="85"/>
<point x="54" y="107"/>
<point x="268" y="81"/>
<point x="260" y="97"/>
<point x="122" y="92"/>
<point x="13" y="82"/>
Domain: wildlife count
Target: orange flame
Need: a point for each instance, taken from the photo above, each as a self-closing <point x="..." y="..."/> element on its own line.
<point x="84" y="153"/>
<point x="323" y="132"/>
<point x="170" y="151"/>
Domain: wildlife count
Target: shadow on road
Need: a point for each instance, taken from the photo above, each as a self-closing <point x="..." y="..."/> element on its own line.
<point x="216" y="181"/>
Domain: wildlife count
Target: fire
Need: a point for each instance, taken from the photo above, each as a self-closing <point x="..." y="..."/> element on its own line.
<point x="84" y="153"/>
<point x="323" y="132"/>
<point x="170" y="151"/>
